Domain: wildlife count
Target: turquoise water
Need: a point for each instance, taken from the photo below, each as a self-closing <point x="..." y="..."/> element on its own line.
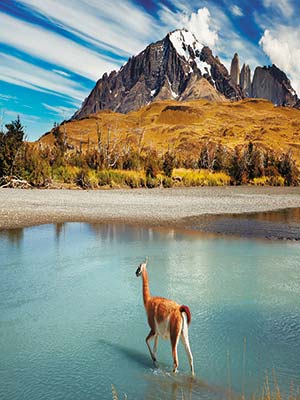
<point x="72" y="320"/>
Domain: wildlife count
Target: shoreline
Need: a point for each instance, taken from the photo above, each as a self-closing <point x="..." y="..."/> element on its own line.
<point x="244" y="211"/>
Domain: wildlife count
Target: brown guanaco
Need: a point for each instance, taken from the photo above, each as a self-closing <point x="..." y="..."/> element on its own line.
<point x="166" y="319"/>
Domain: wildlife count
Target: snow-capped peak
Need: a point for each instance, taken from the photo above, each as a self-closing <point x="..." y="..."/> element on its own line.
<point x="188" y="47"/>
<point x="181" y="40"/>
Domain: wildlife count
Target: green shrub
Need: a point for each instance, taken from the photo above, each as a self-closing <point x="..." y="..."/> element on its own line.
<point x="152" y="182"/>
<point x="83" y="179"/>
<point x="65" y="174"/>
<point x="202" y="177"/>
<point x="269" y="181"/>
<point x="167" y="182"/>
<point x="121" y="178"/>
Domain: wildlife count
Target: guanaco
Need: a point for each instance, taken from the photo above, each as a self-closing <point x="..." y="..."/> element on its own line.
<point x="166" y="319"/>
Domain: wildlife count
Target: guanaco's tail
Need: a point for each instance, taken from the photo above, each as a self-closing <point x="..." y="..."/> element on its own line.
<point x="186" y="310"/>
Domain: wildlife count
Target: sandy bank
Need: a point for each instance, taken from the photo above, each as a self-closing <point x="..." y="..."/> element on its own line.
<point x="210" y="209"/>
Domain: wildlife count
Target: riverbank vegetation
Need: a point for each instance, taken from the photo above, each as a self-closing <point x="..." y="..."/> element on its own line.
<point x="108" y="164"/>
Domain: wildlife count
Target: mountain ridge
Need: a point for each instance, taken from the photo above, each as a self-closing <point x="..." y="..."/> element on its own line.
<point x="174" y="68"/>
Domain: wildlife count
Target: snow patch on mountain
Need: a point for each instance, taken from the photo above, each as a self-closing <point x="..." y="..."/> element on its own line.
<point x="188" y="47"/>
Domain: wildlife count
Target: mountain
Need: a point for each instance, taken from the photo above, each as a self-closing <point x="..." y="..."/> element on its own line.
<point x="167" y="69"/>
<point x="179" y="67"/>
<point x="271" y="83"/>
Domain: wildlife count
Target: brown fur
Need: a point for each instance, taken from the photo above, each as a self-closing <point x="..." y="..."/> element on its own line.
<point x="158" y="310"/>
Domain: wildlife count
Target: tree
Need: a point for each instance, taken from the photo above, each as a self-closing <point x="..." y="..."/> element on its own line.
<point x="152" y="164"/>
<point x="289" y="170"/>
<point x="204" y="158"/>
<point x="60" y="145"/>
<point x="218" y="161"/>
<point x="168" y="164"/>
<point x="11" y="147"/>
<point x="253" y="162"/>
<point x="235" y="167"/>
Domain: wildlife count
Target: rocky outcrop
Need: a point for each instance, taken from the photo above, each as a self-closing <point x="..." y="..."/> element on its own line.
<point x="201" y="89"/>
<point x="297" y="105"/>
<point x="245" y="80"/>
<point x="272" y="84"/>
<point x="220" y="76"/>
<point x="235" y="69"/>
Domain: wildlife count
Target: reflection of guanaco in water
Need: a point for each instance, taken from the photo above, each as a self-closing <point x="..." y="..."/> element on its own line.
<point x="166" y="319"/>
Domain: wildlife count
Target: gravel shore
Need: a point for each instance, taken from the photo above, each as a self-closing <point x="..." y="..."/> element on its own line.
<point x="208" y="209"/>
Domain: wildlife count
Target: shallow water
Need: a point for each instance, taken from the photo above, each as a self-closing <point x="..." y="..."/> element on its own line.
<point x="72" y="320"/>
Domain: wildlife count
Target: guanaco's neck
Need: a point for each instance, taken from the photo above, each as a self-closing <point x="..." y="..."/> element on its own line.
<point x="146" y="289"/>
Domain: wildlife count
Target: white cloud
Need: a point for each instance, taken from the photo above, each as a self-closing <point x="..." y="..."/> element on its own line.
<point x="23" y="117"/>
<point x="62" y="111"/>
<point x="53" y="48"/>
<point x="18" y="72"/>
<point x="62" y="73"/>
<point x="283" y="6"/>
<point x="119" y="26"/>
<point x="236" y="10"/>
<point x="200" y="25"/>
<point x="282" y="46"/>
<point x="7" y="97"/>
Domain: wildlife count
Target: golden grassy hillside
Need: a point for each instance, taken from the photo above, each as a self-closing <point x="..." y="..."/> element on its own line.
<point x="184" y="126"/>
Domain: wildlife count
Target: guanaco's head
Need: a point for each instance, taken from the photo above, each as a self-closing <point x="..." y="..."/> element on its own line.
<point x="141" y="268"/>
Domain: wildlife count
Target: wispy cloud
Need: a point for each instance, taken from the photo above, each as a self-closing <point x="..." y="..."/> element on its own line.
<point x="53" y="48"/>
<point x="121" y="26"/>
<point x="23" y="116"/>
<point x="236" y="10"/>
<point x="22" y="73"/>
<point x="7" y="97"/>
<point x="285" y="7"/>
<point x="62" y="73"/>
<point x="60" y="110"/>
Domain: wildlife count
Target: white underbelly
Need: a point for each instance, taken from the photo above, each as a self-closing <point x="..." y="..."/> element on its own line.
<point x="163" y="328"/>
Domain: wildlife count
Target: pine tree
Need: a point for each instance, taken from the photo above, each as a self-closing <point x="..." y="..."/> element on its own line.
<point x="11" y="147"/>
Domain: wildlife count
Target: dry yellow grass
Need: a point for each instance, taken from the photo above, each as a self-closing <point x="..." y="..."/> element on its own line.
<point x="183" y="126"/>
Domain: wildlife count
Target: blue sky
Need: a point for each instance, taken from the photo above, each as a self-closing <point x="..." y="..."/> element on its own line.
<point x="53" y="51"/>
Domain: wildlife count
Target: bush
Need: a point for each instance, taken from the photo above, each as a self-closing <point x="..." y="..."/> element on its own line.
<point x="152" y="182"/>
<point x="119" y="178"/>
<point x="134" y="179"/>
<point x="37" y="170"/>
<point x="167" y="182"/>
<point x="65" y="174"/>
<point x="201" y="177"/>
<point x="269" y="181"/>
<point x="104" y="178"/>
<point x="83" y="178"/>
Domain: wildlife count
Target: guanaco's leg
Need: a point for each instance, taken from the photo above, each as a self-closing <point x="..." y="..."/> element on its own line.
<point x="186" y="343"/>
<point x="148" y="338"/>
<point x="174" y="336"/>
<point x="155" y="345"/>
